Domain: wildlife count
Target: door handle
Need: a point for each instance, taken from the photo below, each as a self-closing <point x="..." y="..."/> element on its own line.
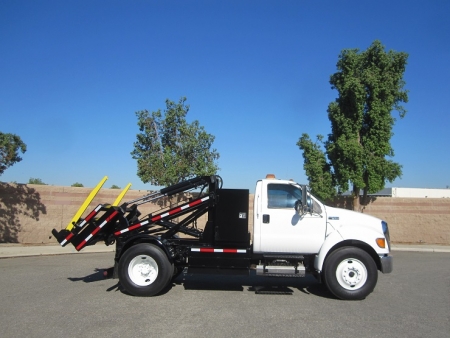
<point x="257" y="209"/>
<point x="266" y="218"/>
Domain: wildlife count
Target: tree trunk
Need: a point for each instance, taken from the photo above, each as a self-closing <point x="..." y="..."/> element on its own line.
<point x="364" y="199"/>
<point x="356" y="205"/>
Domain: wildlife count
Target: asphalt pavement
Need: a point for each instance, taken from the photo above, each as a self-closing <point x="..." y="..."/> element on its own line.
<point x="67" y="295"/>
<point x="26" y="250"/>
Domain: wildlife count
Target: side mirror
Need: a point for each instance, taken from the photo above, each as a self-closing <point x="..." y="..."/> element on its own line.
<point x="304" y="194"/>
<point x="305" y="204"/>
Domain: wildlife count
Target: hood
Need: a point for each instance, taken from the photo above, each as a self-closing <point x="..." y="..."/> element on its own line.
<point x="339" y="217"/>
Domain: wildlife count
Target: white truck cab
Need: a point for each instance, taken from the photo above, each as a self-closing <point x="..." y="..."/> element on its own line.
<point x="289" y="220"/>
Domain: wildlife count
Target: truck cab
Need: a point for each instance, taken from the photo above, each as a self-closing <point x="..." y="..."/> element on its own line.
<point x="278" y="227"/>
<point x="288" y="219"/>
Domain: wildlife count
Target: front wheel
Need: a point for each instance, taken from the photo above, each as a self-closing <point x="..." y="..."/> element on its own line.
<point x="350" y="273"/>
<point x="144" y="270"/>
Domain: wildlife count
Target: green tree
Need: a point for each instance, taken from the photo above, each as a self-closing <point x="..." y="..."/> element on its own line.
<point x="370" y="86"/>
<point x="76" y="184"/>
<point x="115" y="187"/>
<point x="10" y="145"/>
<point x="36" y="181"/>
<point x="169" y="149"/>
<point x="317" y="168"/>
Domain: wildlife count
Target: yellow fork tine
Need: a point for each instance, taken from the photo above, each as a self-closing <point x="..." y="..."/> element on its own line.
<point x="119" y="198"/>
<point x="86" y="204"/>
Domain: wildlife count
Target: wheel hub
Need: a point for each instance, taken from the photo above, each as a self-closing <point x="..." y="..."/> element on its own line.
<point x="144" y="269"/>
<point x="351" y="276"/>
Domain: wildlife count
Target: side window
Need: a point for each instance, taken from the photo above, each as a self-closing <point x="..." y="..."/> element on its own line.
<point x="282" y="195"/>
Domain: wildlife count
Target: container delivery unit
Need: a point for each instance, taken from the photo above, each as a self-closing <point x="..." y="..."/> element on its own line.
<point x="294" y="234"/>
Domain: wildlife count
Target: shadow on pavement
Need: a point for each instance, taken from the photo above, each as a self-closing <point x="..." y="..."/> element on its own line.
<point x="253" y="283"/>
<point x="97" y="276"/>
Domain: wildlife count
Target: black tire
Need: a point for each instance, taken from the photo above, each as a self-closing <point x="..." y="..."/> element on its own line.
<point x="144" y="270"/>
<point x="350" y="273"/>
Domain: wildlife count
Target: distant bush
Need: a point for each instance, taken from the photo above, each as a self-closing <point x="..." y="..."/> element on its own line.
<point x="76" y="184"/>
<point x="115" y="187"/>
<point x="36" y="181"/>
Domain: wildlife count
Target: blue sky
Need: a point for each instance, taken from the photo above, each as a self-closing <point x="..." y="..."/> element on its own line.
<point x="255" y="73"/>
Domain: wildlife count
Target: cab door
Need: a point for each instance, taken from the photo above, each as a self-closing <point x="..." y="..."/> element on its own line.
<point x="280" y="228"/>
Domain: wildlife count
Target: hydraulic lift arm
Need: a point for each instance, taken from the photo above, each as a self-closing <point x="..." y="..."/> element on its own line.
<point x="107" y="222"/>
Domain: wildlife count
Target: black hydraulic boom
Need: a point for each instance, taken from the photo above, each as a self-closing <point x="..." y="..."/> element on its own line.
<point x="108" y="222"/>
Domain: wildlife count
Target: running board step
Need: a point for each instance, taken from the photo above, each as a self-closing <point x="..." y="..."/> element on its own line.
<point x="280" y="270"/>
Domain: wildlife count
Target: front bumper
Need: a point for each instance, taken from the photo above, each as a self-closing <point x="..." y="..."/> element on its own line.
<point x="386" y="263"/>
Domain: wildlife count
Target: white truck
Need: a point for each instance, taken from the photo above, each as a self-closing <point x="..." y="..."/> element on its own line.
<point x="294" y="234"/>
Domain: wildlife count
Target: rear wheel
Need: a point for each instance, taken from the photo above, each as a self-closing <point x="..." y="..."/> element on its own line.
<point x="144" y="270"/>
<point x="350" y="273"/>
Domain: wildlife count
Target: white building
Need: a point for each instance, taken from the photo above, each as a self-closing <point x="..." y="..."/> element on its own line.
<point x="413" y="193"/>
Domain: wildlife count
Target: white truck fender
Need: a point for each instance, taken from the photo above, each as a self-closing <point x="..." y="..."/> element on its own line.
<point x="344" y="233"/>
<point x="330" y="241"/>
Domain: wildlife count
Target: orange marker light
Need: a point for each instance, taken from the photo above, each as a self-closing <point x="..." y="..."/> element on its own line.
<point x="381" y="242"/>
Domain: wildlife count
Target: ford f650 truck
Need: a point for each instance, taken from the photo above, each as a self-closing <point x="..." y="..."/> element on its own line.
<point x="294" y="234"/>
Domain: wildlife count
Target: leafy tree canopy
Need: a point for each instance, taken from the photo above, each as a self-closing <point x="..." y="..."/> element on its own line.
<point x="317" y="168"/>
<point x="115" y="186"/>
<point x="10" y="146"/>
<point x="169" y="149"/>
<point x="76" y="184"/>
<point x="357" y="151"/>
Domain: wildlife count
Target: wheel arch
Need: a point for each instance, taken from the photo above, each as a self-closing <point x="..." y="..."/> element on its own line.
<point x="320" y="259"/>
<point x="142" y="239"/>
